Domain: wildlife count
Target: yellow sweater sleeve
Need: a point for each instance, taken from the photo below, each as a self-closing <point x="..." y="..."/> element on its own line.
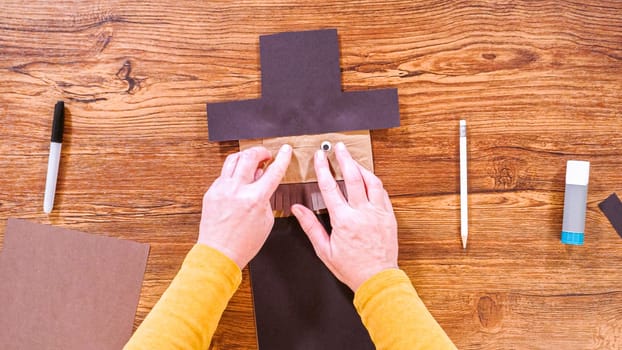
<point x="395" y="316"/>
<point x="188" y="312"/>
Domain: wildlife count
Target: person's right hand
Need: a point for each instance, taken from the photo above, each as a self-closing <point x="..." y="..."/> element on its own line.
<point x="363" y="241"/>
<point x="237" y="218"/>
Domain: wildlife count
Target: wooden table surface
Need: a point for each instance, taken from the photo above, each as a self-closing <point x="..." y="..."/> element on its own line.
<point x="538" y="82"/>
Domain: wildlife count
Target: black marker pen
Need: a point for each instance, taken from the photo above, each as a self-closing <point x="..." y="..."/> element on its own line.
<point x="54" y="160"/>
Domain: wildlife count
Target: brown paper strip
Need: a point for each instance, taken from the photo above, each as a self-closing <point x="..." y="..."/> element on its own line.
<point x="304" y="147"/>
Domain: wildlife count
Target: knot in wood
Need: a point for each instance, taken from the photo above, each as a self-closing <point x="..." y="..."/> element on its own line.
<point x="505" y="172"/>
<point x="489" y="312"/>
<point x="125" y="73"/>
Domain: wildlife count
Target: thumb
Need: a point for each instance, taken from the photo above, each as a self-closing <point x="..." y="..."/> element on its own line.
<point x="314" y="230"/>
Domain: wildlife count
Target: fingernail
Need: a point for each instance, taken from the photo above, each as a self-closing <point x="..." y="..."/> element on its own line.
<point x="286" y="148"/>
<point x="295" y="210"/>
<point x="320" y="155"/>
<point x="340" y="146"/>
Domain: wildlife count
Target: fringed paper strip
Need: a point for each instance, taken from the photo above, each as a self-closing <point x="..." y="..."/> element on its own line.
<point x="307" y="194"/>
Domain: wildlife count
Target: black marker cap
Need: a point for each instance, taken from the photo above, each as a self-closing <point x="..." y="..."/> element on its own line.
<point x="59" y="121"/>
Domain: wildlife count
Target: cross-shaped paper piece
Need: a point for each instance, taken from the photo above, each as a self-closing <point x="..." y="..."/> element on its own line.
<point x="301" y="94"/>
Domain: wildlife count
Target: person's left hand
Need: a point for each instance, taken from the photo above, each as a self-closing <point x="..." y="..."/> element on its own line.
<point x="237" y="217"/>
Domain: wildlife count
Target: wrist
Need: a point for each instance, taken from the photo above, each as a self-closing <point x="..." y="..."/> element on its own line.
<point x="369" y="274"/>
<point x="229" y="253"/>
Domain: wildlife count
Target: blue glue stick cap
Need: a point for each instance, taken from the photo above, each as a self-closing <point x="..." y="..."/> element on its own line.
<point x="575" y="238"/>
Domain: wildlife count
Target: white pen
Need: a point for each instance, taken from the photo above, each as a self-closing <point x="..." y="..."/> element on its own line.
<point x="54" y="160"/>
<point x="464" y="210"/>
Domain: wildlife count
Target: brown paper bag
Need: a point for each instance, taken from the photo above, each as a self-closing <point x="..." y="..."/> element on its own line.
<point x="300" y="182"/>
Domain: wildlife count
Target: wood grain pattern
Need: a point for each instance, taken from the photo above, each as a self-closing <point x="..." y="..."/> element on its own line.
<point x="538" y="82"/>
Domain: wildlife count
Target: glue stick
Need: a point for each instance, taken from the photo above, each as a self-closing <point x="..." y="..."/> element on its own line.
<point x="575" y="201"/>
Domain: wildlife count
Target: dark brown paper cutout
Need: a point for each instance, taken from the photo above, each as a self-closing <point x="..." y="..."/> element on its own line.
<point x="301" y="94"/>
<point x="299" y="304"/>
<point x="612" y="208"/>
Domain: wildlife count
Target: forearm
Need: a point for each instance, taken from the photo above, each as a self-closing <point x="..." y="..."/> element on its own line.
<point x="188" y="312"/>
<point x="395" y="316"/>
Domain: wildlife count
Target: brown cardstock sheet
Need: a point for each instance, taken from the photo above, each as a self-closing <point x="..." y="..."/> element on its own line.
<point x="64" y="289"/>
